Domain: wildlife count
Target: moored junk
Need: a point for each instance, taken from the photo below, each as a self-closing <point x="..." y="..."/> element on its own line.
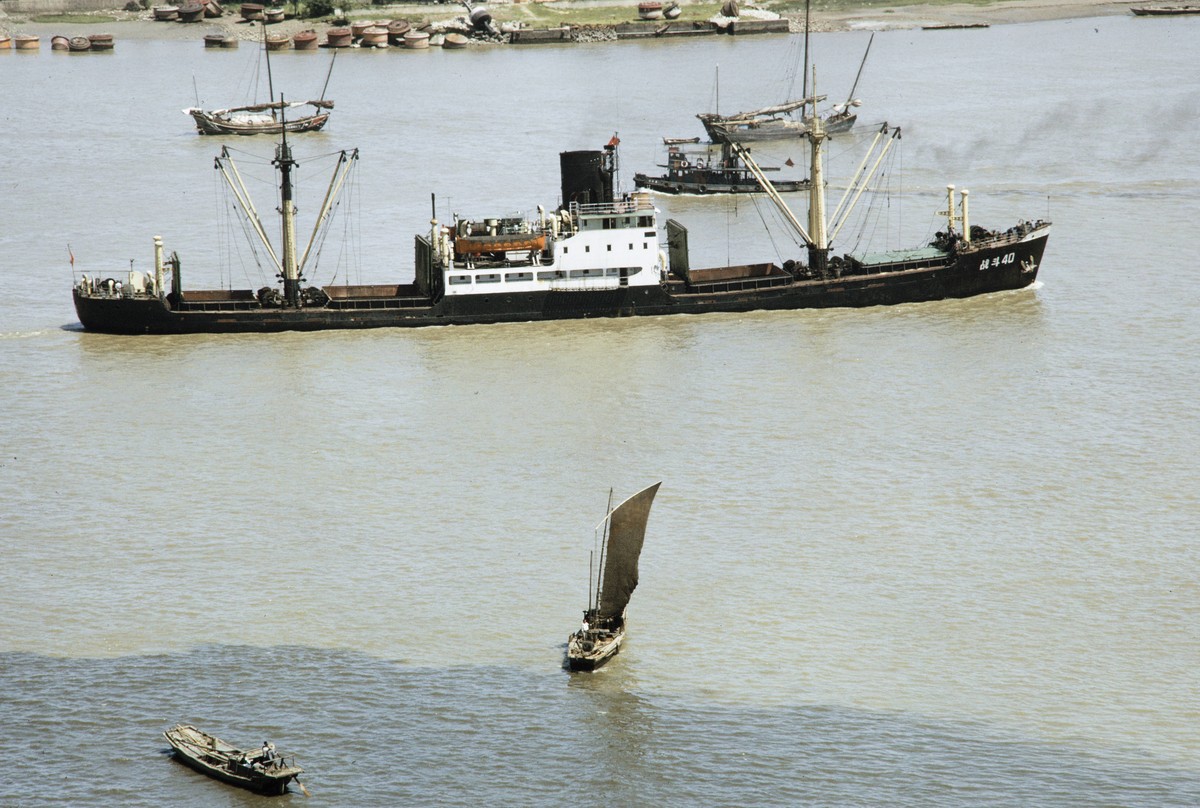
<point x="79" y="44"/>
<point x="416" y="40"/>
<point x="358" y="26"/>
<point x="305" y="40"/>
<point x="338" y="37"/>
<point x="5" y="41"/>
<point x="650" y="10"/>
<point x="101" y="42"/>
<point x="374" y="37"/>
<point x="277" y="42"/>
<point x="191" y="12"/>
<point x="214" y="40"/>
<point x="396" y="30"/>
<point x="58" y="42"/>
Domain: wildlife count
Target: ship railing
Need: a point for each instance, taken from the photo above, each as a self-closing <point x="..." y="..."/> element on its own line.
<point x="738" y="284"/>
<point x="634" y="203"/>
<point x="1012" y="235"/>
<point x="353" y="304"/>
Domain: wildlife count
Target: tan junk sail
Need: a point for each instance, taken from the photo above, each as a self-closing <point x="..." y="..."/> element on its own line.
<point x="626" y="531"/>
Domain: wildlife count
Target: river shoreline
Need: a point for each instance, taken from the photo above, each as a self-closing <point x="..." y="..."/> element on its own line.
<point x="141" y="25"/>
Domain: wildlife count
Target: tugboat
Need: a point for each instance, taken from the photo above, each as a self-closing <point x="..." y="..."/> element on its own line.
<point x="709" y="168"/>
<point x="602" y="632"/>
<point x="596" y="255"/>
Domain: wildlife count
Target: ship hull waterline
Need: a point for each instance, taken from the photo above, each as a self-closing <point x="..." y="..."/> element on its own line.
<point x="1009" y="266"/>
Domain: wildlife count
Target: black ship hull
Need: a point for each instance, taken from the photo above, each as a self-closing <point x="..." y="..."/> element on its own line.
<point x="1010" y="264"/>
<point x="675" y="185"/>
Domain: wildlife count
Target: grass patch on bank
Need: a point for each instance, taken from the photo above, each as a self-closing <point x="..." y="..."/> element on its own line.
<point x="74" y="19"/>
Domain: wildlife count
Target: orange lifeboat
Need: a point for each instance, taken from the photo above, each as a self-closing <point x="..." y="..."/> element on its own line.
<point x="484" y="245"/>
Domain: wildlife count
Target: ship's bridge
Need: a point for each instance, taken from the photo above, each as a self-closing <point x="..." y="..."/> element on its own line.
<point x="635" y="211"/>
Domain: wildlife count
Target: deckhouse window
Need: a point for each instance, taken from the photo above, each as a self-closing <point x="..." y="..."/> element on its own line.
<point x="645" y="221"/>
<point x="489" y="278"/>
<point x="551" y="275"/>
<point x="512" y="277"/>
<point x="459" y="279"/>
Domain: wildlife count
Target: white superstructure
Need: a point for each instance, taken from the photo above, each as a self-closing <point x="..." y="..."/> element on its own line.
<point x="585" y="247"/>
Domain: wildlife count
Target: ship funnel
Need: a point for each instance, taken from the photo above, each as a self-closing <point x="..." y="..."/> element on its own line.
<point x="587" y="177"/>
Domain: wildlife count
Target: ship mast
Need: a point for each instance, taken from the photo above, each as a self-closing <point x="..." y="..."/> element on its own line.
<point x="818" y="245"/>
<point x="291" y="275"/>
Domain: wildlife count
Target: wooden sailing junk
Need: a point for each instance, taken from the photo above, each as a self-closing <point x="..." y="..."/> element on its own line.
<point x="600" y="637"/>
<point x="260" y="770"/>
<point x="777" y="122"/>
<point x="270" y="118"/>
<point x="261" y="119"/>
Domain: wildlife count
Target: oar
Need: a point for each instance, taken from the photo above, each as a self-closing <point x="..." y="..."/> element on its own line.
<point x="302" y="786"/>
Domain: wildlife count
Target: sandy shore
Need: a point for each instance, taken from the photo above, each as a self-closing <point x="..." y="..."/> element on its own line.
<point x="141" y="25"/>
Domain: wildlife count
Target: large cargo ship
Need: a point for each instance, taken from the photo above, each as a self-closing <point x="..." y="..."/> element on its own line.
<point x="598" y="254"/>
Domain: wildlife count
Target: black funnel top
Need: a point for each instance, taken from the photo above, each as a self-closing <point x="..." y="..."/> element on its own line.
<point x="587" y="177"/>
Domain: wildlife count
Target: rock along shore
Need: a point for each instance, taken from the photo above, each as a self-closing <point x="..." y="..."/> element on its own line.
<point x="16" y="17"/>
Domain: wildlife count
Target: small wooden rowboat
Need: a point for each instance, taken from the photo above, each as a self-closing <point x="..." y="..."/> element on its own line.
<point x="26" y="42"/>
<point x="259" y="770"/>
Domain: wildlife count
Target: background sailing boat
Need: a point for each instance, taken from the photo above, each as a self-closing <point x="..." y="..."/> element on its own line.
<point x="268" y="118"/>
